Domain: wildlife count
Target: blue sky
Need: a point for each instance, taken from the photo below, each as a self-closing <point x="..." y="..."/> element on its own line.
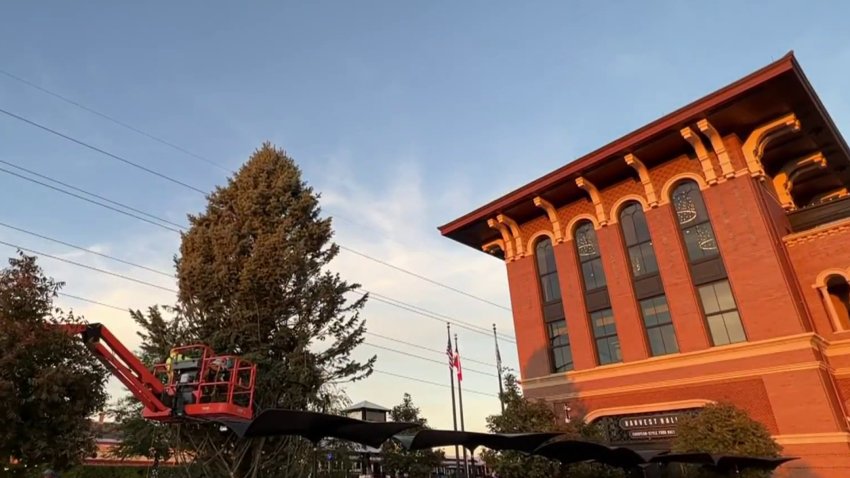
<point x="404" y="115"/>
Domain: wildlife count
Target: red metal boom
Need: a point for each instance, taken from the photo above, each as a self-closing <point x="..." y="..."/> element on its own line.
<point x="194" y="383"/>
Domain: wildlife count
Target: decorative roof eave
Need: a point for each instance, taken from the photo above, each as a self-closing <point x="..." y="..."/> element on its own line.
<point x="688" y="113"/>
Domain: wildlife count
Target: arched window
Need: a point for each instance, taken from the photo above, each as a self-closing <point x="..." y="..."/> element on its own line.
<point x="588" y="256"/>
<point x="838" y="294"/>
<point x="596" y="295"/>
<point x="706" y="265"/>
<point x="560" y="353"/>
<point x="638" y="240"/>
<point x="647" y="281"/>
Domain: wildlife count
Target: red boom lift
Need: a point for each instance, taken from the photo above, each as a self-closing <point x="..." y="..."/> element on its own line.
<point x="194" y="384"/>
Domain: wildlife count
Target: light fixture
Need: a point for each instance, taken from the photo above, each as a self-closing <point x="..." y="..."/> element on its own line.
<point x="686" y="210"/>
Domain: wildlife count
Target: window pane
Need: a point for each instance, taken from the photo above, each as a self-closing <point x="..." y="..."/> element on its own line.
<point x="656" y="341"/>
<point x="603" y="323"/>
<point x="545" y="257"/>
<point x="628" y="224"/>
<point x="668" y="333"/>
<point x="641" y="229"/>
<point x="594" y="276"/>
<point x="687" y="201"/>
<point x="718" y="330"/>
<point x="650" y="265"/>
<point x="709" y="299"/>
<point x="586" y="242"/>
<point x="724" y="295"/>
<point x="636" y="261"/>
<point x="734" y="327"/>
<point x="662" y="310"/>
<point x="603" y="351"/>
<point x="647" y="309"/>
<point x="551" y="288"/>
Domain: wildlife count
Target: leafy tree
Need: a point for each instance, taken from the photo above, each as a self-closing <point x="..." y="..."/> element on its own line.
<point x="724" y="429"/>
<point x="526" y="416"/>
<point x="49" y="382"/>
<point x="253" y="281"/>
<point x="401" y="462"/>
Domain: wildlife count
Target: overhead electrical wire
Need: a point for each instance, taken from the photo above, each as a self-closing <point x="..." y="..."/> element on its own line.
<point x="392" y="374"/>
<point x="113" y="120"/>
<point x="378" y="297"/>
<point x="156" y="271"/>
<point x="438" y="362"/>
<point x="202" y="158"/>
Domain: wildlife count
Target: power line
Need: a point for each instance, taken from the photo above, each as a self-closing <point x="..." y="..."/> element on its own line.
<point x="79" y="190"/>
<point x="439" y="362"/>
<point x="102" y="304"/>
<point x="73" y="246"/>
<point x="115" y="120"/>
<point x="421" y="277"/>
<point x="436" y="384"/>
<point x="193" y="188"/>
<point x="104" y="152"/>
<point x="436" y="351"/>
<point x="92" y="201"/>
<point x="84" y="266"/>
<point x="378" y="297"/>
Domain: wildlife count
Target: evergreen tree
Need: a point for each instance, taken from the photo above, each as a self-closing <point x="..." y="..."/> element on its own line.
<point x="724" y="429"/>
<point x="416" y="463"/>
<point x="49" y="382"/>
<point x="253" y="281"/>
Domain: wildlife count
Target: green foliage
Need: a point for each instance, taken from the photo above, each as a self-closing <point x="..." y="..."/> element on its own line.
<point x="49" y="382"/>
<point x="724" y="429"/>
<point x="253" y="281"/>
<point x="400" y="462"/>
<point x="526" y="416"/>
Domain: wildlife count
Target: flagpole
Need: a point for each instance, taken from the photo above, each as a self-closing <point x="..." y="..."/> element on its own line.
<point x="460" y="404"/>
<point x="499" y="370"/>
<point x="452" y="381"/>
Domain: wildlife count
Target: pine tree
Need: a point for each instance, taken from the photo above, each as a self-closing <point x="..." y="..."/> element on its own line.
<point x="49" y="382"/>
<point x="253" y="281"/>
<point x="413" y="464"/>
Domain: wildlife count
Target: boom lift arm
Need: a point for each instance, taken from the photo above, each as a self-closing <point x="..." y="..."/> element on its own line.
<point x="193" y="384"/>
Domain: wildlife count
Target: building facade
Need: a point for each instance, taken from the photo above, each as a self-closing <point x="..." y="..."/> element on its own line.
<point x="704" y="257"/>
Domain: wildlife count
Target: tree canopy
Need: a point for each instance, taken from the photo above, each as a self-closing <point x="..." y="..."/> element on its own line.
<point x="724" y="429"/>
<point x="413" y="464"/>
<point x="253" y="281"/>
<point x="522" y="415"/>
<point x="49" y="383"/>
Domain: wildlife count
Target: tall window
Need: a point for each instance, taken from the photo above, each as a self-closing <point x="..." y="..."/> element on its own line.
<point x="588" y="255"/>
<point x="647" y="281"/>
<point x="596" y="295"/>
<point x="560" y="353"/>
<point x="707" y="270"/>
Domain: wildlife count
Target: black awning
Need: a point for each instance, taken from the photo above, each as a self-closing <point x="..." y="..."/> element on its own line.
<point x="525" y="442"/>
<point x="316" y="426"/>
<point x="574" y="451"/>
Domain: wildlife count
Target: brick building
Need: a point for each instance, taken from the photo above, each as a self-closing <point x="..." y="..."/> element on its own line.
<point x="704" y="257"/>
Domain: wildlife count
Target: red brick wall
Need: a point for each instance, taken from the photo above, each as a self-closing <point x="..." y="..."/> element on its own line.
<point x="691" y="331"/>
<point x="758" y="280"/>
<point x="578" y="326"/>
<point x="532" y="345"/>
<point x="812" y="255"/>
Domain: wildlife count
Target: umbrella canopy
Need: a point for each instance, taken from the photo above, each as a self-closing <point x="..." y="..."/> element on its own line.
<point x="574" y="451"/>
<point x="695" y="458"/>
<point x="315" y="426"/>
<point x="525" y="442"/>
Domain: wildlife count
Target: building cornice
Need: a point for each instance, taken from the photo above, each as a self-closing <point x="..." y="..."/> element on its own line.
<point x="667" y="362"/>
<point x="817" y="232"/>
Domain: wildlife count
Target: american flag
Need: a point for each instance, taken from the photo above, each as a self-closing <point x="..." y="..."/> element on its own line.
<point x="450" y="352"/>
